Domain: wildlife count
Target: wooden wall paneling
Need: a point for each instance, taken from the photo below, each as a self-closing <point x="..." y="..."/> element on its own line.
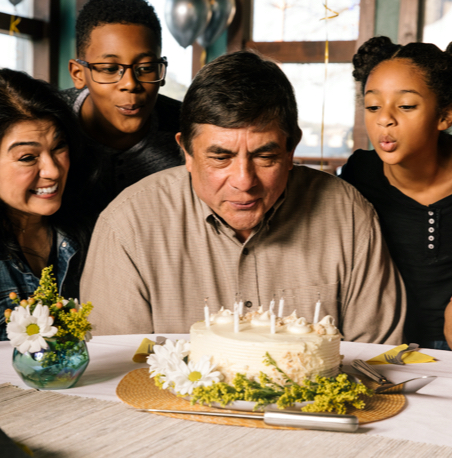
<point x="409" y="23"/>
<point x="366" y="31"/>
<point x="305" y="51"/>
<point x="79" y="4"/>
<point x="198" y="58"/>
<point x="45" y="49"/>
<point x="366" y="21"/>
<point x="241" y="29"/>
<point x="27" y="27"/>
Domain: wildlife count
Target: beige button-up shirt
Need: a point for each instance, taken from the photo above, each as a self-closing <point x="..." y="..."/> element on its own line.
<point x="158" y="251"/>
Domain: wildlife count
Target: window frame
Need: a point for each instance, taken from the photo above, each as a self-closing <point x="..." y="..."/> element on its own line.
<point x="409" y="29"/>
<point x="44" y="34"/>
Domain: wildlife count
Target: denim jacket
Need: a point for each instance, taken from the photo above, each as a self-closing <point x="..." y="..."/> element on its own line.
<point x="16" y="276"/>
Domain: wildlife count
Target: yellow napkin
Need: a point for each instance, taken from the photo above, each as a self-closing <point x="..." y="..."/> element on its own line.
<point x="413" y="357"/>
<point x="144" y="350"/>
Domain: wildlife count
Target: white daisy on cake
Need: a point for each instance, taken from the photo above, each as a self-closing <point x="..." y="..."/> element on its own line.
<point x="191" y="375"/>
<point x="26" y="330"/>
<point x="166" y="358"/>
<point x="181" y="348"/>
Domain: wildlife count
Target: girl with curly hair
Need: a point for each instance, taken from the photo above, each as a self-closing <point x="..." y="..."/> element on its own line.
<point x="407" y="94"/>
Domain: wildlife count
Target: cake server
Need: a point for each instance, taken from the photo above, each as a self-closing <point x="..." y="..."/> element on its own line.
<point x="294" y="419"/>
<point x="408" y="386"/>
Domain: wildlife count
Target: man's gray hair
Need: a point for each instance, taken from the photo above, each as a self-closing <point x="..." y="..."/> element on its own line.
<point x="237" y="90"/>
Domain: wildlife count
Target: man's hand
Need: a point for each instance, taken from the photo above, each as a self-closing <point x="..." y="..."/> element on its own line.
<point x="448" y="324"/>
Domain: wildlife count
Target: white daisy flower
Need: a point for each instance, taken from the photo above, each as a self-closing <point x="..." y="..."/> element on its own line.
<point x="191" y="375"/>
<point x="163" y="363"/>
<point x="167" y="354"/>
<point x="27" y="331"/>
<point x="181" y="348"/>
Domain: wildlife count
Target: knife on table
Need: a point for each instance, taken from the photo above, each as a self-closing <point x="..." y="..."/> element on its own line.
<point x="294" y="419"/>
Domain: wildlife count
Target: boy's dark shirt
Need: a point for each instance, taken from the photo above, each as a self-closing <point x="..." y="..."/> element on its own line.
<point x="119" y="169"/>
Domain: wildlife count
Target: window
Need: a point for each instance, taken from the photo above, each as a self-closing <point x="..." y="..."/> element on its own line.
<point x="280" y="20"/>
<point x="299" y="24"/>
<point x="17" y="50"/>
<point x="179" y="74"/>
<point x="34" y="45"/>
<point x="292" y="32"/>
<point x="437" y="22"/>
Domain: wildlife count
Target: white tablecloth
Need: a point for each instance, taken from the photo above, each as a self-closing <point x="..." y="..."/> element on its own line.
<point x="427" y="417"/>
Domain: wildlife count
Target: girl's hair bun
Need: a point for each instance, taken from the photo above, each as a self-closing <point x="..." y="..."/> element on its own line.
<point x="435" y="65"/>
<point x="370" y="54"/>
<point x="449" y="49"/>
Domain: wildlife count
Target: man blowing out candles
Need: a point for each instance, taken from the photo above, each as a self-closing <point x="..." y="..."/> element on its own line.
<point x="240" y="217"/>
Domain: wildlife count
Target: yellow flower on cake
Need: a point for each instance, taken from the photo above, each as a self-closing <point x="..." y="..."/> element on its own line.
<point x="26" y="330"/>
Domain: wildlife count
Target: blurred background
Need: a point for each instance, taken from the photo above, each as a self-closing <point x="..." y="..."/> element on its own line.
<point x="38" y="37"/>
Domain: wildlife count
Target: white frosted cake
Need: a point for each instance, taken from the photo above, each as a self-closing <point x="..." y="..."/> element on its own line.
<point x="302" y="350"/>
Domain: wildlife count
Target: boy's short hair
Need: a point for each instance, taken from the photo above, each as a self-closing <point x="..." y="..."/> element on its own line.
<point x="96" y="13"/>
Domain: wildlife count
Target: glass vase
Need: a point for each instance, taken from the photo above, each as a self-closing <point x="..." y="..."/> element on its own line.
<point x="52" y="369"/>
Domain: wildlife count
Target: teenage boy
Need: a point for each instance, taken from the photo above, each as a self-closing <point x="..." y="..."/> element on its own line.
<point x="129" y="128"/>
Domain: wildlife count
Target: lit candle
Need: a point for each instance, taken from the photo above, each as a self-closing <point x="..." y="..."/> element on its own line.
<point x="236" y="319"/>
<point x="272" y="323"/>
<point x="272" y="305"/>
<point x="317" y="311"/>
<point x="281" y="307"/>
<point x="206" y="314"/>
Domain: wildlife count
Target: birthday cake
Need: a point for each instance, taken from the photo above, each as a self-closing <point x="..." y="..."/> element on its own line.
<point x="239" y="344"/>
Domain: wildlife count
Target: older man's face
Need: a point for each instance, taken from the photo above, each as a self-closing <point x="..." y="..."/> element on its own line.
<point x="239" y="173"/>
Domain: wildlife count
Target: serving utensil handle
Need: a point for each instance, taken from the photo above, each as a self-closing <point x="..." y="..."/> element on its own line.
<point x="365" y="369"/>
<point x="308" y="420"/>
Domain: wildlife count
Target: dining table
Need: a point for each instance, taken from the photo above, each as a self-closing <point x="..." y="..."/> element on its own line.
<point x="89" y="420"/>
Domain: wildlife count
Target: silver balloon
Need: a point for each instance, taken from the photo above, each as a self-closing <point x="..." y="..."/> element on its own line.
<point x="14" y="2"/>
<point x="223" y="12"/>
<point x="187" y="19"/>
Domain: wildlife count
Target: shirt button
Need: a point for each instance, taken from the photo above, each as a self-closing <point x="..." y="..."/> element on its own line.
<point x="248" y="304"/>
<point x="431" y="238"/>
<point x="64" y="244"/>
<point x="430" y="213"/>
<point x="431" y="220"/>
<point x="246" y="252"/>
<point x="431" y="229"/>
<point x="431" y="246"/>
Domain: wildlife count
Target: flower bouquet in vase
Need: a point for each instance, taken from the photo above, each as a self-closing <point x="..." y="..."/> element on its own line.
<point x="49" y="335"/>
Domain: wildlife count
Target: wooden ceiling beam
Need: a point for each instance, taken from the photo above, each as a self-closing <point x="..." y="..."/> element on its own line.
<point x="27" y="27"/>
<point x="305" y="51"/>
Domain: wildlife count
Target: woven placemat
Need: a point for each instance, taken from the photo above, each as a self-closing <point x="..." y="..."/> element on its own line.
<point x="138" y="390"/>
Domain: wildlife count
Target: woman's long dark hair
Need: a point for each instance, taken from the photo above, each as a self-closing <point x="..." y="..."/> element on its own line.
<point x="23" y="98"/>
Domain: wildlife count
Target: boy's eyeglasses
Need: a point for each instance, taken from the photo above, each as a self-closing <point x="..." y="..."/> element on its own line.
<point x="144" y="72"/>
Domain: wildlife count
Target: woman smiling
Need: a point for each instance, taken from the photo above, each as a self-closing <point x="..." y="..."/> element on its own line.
<point x="41" y="219"/>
